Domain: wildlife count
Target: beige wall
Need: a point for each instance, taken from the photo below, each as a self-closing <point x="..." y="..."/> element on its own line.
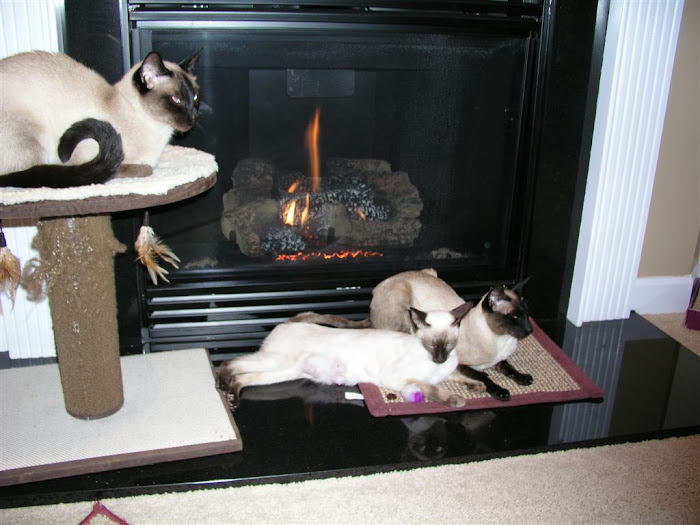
<point x="673" y="228"/>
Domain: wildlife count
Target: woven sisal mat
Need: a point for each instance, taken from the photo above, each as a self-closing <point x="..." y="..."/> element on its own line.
<point x="556" y="378"/>
<point x="172" y="410"/>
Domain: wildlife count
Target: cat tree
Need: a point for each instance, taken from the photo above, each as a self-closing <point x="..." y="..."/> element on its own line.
<point x="77" y="247"/>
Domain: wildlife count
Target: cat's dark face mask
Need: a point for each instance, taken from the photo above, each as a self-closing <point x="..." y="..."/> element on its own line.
<point x="438" y="344"/>
<point x="439" y="352"/>
<point x="171" y="94"/>
<point x="506" y="313"/>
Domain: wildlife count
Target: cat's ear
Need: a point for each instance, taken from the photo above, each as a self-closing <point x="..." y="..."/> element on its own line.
<point x="518" y="288"/>
<point x="188" y="63"/>
<point x="459" y="312"/>
<point x="153" y="70"/>
<point x="498" y="301"/>
<point x="417" y="318"/>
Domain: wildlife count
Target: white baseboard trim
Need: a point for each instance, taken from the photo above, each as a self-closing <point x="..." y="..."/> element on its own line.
<point x="661" y="295"/>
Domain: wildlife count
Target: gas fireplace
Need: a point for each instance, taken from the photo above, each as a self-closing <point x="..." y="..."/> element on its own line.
<point x="355" y="140"/>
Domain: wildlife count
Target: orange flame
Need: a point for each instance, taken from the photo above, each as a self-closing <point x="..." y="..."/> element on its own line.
<point x="305" y="212"/>
<point x="345" y="254"/>
<point x="313" y="131"/>
<point x="289" y="209"/>
<point x="361" y="214"/>
<point x="288" y="212"/>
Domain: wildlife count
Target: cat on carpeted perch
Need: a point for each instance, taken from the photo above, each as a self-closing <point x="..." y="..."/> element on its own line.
<point x="131" y="121"/>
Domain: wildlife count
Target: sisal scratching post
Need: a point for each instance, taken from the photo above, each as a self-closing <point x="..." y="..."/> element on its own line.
<point x="77" y="265"/>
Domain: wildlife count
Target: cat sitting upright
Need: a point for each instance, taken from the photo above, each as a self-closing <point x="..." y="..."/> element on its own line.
<point x="413" y="364"/>
<point x="488" y="334"/>
<point x="49" y="104"/>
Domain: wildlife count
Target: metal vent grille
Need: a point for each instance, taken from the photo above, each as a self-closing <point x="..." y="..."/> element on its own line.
<point x="232" y="316"/>
<point x="230" y="313"/>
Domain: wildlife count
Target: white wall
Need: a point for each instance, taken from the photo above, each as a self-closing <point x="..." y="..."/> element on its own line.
<point x="26" y="330"/>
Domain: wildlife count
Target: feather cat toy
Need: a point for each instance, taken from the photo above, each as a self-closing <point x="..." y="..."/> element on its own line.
<point x="149" y="248"/>
<point x="10" y="272"/>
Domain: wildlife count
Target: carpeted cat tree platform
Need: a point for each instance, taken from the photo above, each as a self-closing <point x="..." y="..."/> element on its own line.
<point x="77" y="246"/>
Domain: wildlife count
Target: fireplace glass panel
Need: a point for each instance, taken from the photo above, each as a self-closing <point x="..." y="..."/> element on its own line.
<point x="418" y="144"/>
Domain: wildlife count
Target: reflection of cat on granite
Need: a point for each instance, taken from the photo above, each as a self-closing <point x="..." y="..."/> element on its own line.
<point x="307" y="391"/>
<point x="430" y="437"/>
<point x="50" y="104"/>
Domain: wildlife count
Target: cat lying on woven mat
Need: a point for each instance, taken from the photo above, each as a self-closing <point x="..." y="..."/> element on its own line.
<point x="411" y="363"/>
<point x="488" y="335"/>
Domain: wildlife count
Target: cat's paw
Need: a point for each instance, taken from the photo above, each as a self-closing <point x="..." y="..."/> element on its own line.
<point x="476" y="386"/>
<point x="226" y="376"/>
<point x="456" y="401"/>
<point x="523" y="379"/>
<point x="232" y="400"/>
<point x="499" y="393"/>
<point x="236" y="386"/>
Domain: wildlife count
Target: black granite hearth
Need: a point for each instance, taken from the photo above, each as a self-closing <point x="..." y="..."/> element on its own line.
<point x="299" y="431"/>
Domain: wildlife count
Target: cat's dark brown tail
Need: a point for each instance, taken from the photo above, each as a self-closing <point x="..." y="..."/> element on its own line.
<point x="335" y="321"/>
<point x="95" y="171"/>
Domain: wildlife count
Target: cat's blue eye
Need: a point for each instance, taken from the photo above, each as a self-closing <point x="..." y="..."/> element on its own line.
<point x="176" y="100"/>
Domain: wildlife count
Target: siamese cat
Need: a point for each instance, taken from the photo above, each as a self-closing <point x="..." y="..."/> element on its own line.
<point x="413" y="364"/>
<point x="488" y="334"/>
<point x="50" y="104"/>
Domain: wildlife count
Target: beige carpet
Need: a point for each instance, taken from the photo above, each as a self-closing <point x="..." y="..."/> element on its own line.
<point x="651" y="482"/>
<point x="674" y="326"/>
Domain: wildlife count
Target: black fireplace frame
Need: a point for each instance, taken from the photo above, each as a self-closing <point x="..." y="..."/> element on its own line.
<point x="572" y="43"/>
